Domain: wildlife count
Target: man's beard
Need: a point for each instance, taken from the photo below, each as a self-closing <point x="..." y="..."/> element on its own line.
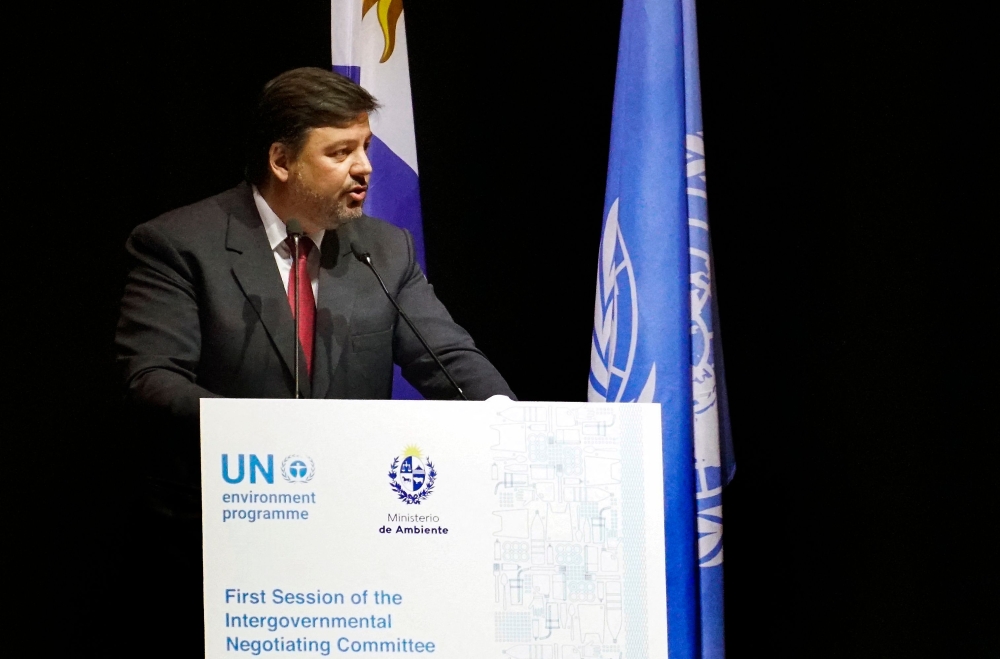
<point x="327" y="212"/>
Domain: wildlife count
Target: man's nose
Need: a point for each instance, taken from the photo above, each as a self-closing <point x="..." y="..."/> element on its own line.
<point x="362" y="166"/>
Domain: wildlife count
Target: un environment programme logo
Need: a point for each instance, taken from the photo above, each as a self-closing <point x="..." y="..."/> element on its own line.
<point x="298" y="469"/>
<point x="412" y="480"/>
<point x="708" y="461"/>
<point x="616" y="324"/>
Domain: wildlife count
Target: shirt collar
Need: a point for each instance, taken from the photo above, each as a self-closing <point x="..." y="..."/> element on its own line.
<point x="275" y="228"/>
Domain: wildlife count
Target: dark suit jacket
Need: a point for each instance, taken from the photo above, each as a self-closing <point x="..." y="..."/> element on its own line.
<point x="205" y="314"/>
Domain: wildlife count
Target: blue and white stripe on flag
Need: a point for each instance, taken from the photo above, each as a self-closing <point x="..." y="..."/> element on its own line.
<point x="368" y="40"/>
<point x="654" y="336"/>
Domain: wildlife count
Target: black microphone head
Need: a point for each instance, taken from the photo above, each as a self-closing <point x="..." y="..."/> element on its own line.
<point x="294" y="227"/>
<point x="359" y="252"/>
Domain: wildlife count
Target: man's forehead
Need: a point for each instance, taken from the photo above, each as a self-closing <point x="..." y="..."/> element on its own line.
<point x="359" y="129"/>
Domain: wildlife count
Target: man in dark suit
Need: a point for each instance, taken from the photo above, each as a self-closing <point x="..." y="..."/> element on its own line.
<point x="206" y="309"/>
<point x="209" y="304"/>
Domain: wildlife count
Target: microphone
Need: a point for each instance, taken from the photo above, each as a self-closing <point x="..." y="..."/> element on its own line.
<point x="294" y="229"/>
<point x="366" y="258"/>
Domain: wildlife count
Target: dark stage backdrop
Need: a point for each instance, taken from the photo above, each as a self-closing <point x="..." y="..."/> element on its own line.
<point x="849" y="263"/>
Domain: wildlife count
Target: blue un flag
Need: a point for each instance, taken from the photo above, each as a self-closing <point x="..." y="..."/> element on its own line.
<point x="655" y="331"/>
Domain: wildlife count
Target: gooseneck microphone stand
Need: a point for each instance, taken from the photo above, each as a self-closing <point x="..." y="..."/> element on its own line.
<point x="365" y="257"/>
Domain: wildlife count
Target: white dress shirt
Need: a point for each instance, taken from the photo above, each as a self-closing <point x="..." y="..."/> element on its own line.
<point x="276" y="235"/>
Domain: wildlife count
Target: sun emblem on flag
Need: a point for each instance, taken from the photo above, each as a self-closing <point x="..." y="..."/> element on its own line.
<point x="412" y="475"/>
<point x="388" y="13"/>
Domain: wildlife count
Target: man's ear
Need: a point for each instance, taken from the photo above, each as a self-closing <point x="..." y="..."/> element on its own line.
<point x="278" y="160"/>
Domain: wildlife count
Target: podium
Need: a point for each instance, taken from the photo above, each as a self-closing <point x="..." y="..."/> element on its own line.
<point x="460" y="530"/>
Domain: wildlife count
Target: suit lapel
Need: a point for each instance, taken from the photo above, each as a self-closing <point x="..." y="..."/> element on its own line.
<point x="337" y="291"/>
<point x="254" y="268"/>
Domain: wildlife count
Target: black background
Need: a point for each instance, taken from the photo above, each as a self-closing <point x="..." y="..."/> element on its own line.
<point x="851" y="261"/>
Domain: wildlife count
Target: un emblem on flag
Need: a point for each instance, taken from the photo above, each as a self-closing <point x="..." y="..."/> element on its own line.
<point x="412" y="476"/>
<point x="615" y="373"/>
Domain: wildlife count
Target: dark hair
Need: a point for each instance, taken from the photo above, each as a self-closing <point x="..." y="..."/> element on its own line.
<point x="295" y="102"/>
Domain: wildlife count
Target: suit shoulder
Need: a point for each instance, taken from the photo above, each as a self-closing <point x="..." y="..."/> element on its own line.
<point x="381" y="235"/>
<point x="204" y="218"/>
<point x="368" y="226"/>
<point x="392" y="248"/>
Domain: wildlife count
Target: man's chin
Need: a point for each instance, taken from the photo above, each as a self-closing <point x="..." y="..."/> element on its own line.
<point x="341" y="216"/>
<point x="349" y="214"/>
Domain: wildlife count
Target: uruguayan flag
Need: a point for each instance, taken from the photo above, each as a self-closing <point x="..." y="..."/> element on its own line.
<point x="368" y="38"/>
<point x="654" y="323"/>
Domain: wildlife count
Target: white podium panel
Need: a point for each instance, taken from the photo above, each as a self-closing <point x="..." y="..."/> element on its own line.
<point x="454" y="529"/>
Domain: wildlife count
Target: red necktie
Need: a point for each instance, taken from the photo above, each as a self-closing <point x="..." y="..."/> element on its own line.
<point x="307" y="303"/>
